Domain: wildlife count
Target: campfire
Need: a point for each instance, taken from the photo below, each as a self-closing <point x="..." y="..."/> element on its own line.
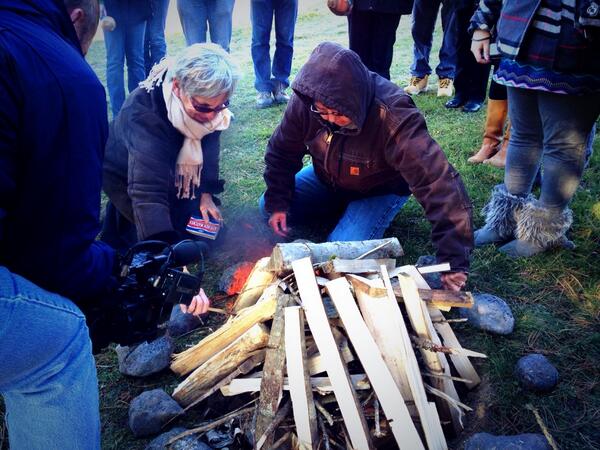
<point x="339" y="348"/>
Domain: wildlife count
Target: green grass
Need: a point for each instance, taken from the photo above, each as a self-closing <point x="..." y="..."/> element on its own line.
<point x="555" y="297"/>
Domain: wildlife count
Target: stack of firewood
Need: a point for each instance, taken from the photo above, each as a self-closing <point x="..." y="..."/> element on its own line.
<point x="371" y="364"/>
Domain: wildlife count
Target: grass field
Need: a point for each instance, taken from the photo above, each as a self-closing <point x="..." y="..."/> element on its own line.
<point x="555" y="297"/>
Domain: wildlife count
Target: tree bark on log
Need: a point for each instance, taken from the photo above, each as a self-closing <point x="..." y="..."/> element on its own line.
<point x="197" y="355"/>
<point x="284" y="254"/>
<point x="222" y="364"/>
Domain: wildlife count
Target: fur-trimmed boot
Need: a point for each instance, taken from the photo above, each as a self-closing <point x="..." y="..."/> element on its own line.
<point x="492" y="135"/>
<point x="539" y="229"/>
<point x="500" y="217"/>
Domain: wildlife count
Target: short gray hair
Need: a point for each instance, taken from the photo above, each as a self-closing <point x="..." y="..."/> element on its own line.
<point x="205" y="70"/>
<point x="91" y="10"/>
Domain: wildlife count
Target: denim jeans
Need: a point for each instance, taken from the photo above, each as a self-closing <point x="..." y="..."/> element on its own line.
<point x="47" y="371"/>
<point x="285" y="13"/>
<point x="424" y="16"/>
<point x="199" y="17"/>
<point x="357" y="218"/>
<point x="551" y="129"/>
<point x="155" y="45"/>
<point x="124" y="42"/>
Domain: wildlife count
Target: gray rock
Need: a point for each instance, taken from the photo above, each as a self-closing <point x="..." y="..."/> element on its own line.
<point x="486" y="441"/>
<point x="147" y="358"/>
<point x="490" y="313"/>
<point x="535" y="373"/>
<point x="186" y="443"/>
<point x="150" y="410"/>
<point x="181" y="323"/>
<point x="434" y="280"/>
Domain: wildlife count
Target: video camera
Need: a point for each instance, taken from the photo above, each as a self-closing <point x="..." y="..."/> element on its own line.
<point x="149" y="284"/>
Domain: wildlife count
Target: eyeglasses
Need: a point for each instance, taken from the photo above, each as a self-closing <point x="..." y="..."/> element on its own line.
<point x="206" y="109"/>
<point x="324" y="113"/>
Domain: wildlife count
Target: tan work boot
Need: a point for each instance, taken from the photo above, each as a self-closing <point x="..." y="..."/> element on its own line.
<point x="417" y="85"/>
<point x="445" y="87"/>
<point x="492" y="135"/>
<point x="499" y="159"/>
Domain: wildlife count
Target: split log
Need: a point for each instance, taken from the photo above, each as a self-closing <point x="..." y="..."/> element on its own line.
<point x="188" y="360"/>
<point x="430" y="420"/>
<point x="436" y="362"/>
<point x="257" y="282"/>
<point x="384" y="385"/>
<point x="222" y="364"/>
<point x="284" y="254"/>
<point x="271" y="386"/>
<point x="343" y="266"/>
<point x="336" y="369"/>
<point x="303" y="404"/>
<point x="442" y="297"/>
<point x="322" y="385"/>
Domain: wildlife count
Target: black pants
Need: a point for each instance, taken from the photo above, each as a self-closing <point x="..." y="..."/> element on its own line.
<point x="471" y="77"/>
<point x="372" y="37"/>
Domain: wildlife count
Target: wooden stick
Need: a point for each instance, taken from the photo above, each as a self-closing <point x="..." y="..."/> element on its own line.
<point x="213" y="424"/>
<point x="220" y="311"/>
<point x="281" y="414"/>
<point x="279" y="442"/>
<point x="542" y="425"/>
<point x="444" y="267"/>
<point x="452" y="401"/>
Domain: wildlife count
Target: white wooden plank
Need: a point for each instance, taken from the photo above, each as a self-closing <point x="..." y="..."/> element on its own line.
<point x="336" y="369"/>
<point x="385" y="387"/>
<point x="303" y="404"/>
<point x="430" y="420"/>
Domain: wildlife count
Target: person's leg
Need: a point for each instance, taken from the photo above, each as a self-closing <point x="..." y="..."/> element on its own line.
<point x="566" y="122"/>
<point x="134" y="53"/>
<point x="448" y="50"/>
<point x="589" y="147"/>
<point x="424" y="16"/>
<point x="286" y="12"/>
<point x="360" y="33"/>
<point x="367" y="218"/>
<point x="117" y="231"/>
<point x="48" y="374"/>
<point x="312" y="199"/>
<point x="193" y="15"/>
<point x="382" y="39"/>
<point x="115" y="61"/>
<point x="219" y="22"/>
<point x="155" y="44"/>
<point x="262" y="21"/>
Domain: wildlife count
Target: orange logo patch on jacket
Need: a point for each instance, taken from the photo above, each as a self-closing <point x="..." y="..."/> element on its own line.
<point x="354" y="170"/>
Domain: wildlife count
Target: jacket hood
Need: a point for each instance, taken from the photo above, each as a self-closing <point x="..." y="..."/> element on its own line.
<point x="336" y="77"/>
<point x="47" y="13"/>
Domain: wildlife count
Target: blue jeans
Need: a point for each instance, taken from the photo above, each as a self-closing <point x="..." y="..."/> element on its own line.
<point x="155" y="45"/>
<point x="424" y="16"/>
<point x="262" y="13"/>
<point x="357" y="218"/>
<point x="199" y="17"/>
<point x="48" y="374"/>
<point x="124" y="42"/>
<point x="551" y="129"/>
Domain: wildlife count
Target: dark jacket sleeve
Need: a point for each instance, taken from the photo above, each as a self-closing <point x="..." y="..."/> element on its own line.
<point x="283" y="158"/>
<point x="486" y="16"/>
<point x="437" y="186"/>
<point x="148" y="176"/>
<point x="209" y="178"/>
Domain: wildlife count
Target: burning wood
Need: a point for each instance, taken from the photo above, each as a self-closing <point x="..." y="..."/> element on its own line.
<point x="357" y="333"/>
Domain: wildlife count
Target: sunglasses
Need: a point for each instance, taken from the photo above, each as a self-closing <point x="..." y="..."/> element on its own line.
<point x="206" y="109"/>
<point x="324" y="113"/>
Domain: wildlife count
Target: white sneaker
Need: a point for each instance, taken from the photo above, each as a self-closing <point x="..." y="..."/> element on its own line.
<point x="417" y="85"/>
<point x="445" y="87"/>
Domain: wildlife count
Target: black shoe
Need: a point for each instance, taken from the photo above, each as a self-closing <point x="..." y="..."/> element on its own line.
<point x="455" y="102"/>
<point x="472" y="106"/>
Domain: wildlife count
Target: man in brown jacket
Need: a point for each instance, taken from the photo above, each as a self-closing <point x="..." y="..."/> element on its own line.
<point x="370" y="150"/>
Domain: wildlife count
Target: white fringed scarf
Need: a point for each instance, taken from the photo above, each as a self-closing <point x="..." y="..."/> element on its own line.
<point x="189" y="160"/>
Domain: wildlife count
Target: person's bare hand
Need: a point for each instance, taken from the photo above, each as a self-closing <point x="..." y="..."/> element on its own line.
<point x="454" y="281"/>
<point x="278" y="222"/>
<point x="209" y="209"/>
<point x="480" y="46"/>
<point x="198" y="306"/>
